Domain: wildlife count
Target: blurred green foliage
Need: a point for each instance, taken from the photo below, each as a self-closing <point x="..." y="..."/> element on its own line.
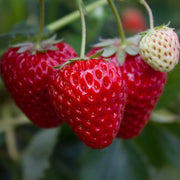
<point x="154" y="155"/>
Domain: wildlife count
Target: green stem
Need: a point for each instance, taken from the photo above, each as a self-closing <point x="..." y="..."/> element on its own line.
<point x="11" y="145"/>
<point x="42" y="16"/>
<point x="10" y="136"/>
<point x="5" y="124"/>
<point x="73" y="16"/>
<point x="151" y="20"/>
<point x="83" y="28"/>
<point x="118" y="21"/>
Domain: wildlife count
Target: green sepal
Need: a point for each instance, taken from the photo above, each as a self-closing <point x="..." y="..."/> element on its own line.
<point x="44" y="46"/>
<point x="22" y="44"/>
<point x="113" y="46"/>
<point x="25" y="48"/>
<point x="66" y="63"/>
<point x="33" y="52"/>
<point x="150" y="31"/>
<point x="145" y="32"/>
<point x="21" y="33"/>
<point x="51" y="41"/>
<point x="109" y="51"/>
<point x="94" y="56"/>
<point x="41" y="50"/>
<point x="45" y="49"/>
<point x="106" y="42"/>
<point x="132" y="50"/>
<point x="99" y="53"/>
<point x="121" y="56"/>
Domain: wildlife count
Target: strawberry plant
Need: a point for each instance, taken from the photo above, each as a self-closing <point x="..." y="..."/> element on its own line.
<point x="112" y="112"/>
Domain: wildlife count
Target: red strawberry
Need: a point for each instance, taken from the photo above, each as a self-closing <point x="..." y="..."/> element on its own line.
<point x="145" y="86"/>
<point x="133" y="20"/>
<point x="26" y="76"/>
<point x="90" y="96"/>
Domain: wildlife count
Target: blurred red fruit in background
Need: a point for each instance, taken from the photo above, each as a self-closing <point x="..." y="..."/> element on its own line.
<point x="133" y="20"/>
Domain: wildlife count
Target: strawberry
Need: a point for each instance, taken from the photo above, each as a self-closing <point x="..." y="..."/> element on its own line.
<point x="26" y="73"/>
<point x="145" y="86"/>
<point x="90" y="96"/>
<point x="133" y="20"/>
<point x="159" y="48"/>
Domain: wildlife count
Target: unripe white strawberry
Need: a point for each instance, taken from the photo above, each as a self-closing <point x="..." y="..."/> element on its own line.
<point x="159" y="48"/>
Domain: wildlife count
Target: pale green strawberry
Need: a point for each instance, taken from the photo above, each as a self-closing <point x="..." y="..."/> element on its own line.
<point x="159" y="48"/>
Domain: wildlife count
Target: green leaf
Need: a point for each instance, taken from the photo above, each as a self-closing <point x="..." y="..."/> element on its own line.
<point x="6" y="39"/>
<point x="167" y="172"/>
<point x="35" y="159"/>
<point x="173" y="128"/>
<point x="160" y="145"/>
<point x="121" y="160"/>
<point x="121" y="55"/>
<point x="65" y="157"/>
<point x="109" y="51"/>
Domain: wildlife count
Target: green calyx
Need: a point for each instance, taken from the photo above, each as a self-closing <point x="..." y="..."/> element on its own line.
<point x="45" y="45"/>
<point x="94" y="56"/>
<point x="112" y="47"/>
<point x="149" y="32"/>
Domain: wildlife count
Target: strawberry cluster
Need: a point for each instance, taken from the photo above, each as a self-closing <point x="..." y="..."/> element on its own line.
<point x="97" y="97"/>
<point x="109" y="93"/>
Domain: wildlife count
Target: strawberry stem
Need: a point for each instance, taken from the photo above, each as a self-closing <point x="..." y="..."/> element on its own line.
<point x="42" y="16"/>
<point x="118" y="21"/>
<point x="151" y="19"/>
<point x="83" y="28"/>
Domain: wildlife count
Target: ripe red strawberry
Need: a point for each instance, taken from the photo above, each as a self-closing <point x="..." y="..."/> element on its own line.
<point x="26" y="76"/>
<point x="90" y="96"/>
<point x="145" y="86"/>
<point x="133" y="20"/>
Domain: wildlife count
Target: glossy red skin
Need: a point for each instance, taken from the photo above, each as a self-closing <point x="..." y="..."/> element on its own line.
<point x="90" y="96"/>
<point x="145" y="86"/>
<point x="133" y="20"/>
<point x="26" y="77"/>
